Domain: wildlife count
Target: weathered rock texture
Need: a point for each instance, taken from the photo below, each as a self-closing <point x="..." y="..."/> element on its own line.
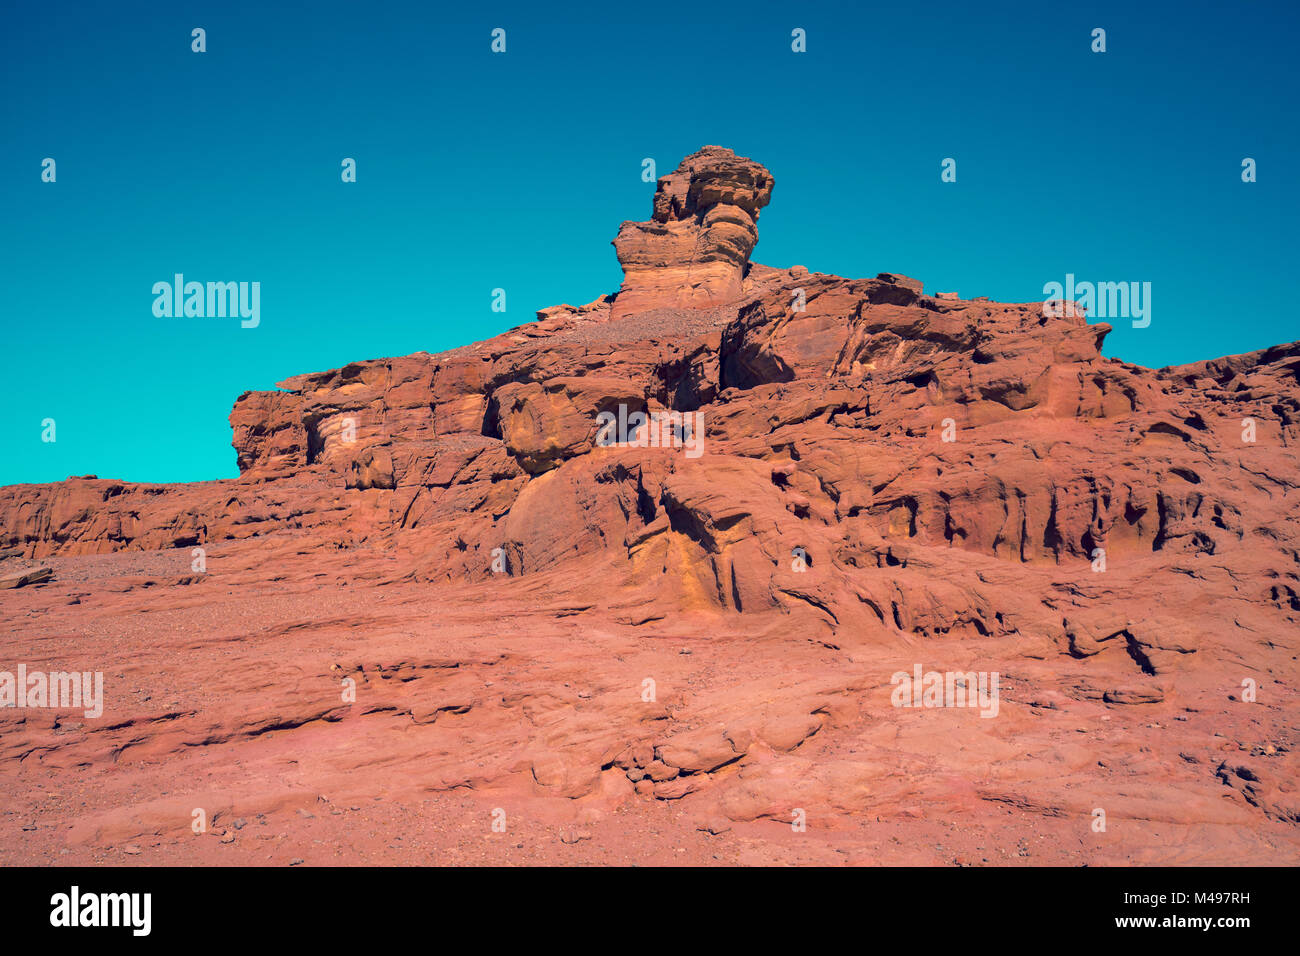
<point x="694" y="252"/>
<point x="886" y="479"/>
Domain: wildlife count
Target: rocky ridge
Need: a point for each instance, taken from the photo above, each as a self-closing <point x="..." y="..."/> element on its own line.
<point x="884" y="477"/>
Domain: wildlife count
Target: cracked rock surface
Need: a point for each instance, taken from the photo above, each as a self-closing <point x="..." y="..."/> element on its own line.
<point x="643" y="654"/>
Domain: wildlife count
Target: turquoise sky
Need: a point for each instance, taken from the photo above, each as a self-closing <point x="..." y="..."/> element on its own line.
<point x="479" y="170"/>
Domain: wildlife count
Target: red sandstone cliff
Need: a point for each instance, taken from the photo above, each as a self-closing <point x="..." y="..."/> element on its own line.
<point x="882" y="469"/>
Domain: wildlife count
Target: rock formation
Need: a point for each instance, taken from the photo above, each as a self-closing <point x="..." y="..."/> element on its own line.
<point x="884" y="480"/>
<point x="694" y="252"/>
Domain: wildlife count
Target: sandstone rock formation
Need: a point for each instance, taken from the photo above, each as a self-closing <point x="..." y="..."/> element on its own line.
<point x="885" y="479"/>
<point x="694" y="252"/>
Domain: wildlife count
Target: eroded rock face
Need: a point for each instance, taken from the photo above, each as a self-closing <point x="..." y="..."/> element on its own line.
<point x="871" y="427"/>
<point x="883" y="478"/>
<point x="694" y="251"/>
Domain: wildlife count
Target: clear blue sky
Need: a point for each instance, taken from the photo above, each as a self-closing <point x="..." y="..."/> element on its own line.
<point x="478" y="171"/>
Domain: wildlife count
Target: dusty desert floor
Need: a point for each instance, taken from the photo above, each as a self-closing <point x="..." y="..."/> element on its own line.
<point x="493" y="703"/>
